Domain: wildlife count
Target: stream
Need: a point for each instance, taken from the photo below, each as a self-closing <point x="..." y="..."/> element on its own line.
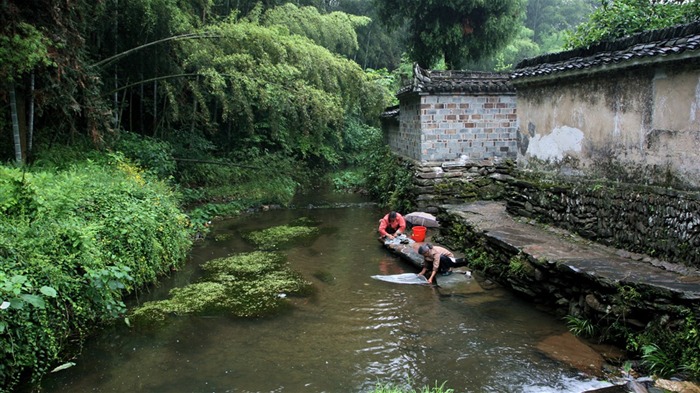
<point x="353" y="333"/>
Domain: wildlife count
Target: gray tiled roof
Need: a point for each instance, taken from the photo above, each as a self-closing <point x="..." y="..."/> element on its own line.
<point x="427" y="81"/>
<point x="390" y="112"/>
<point x="673" y="42"/>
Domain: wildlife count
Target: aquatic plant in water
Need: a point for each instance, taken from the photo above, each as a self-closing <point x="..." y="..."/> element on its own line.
<point x="280" y="236"/>
<point x="243" y="285"/>
<point x="245" y="264"/>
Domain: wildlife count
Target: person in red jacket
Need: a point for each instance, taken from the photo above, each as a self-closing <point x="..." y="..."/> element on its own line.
<point x="438" y="260"/>
<point x="391" y="225"/>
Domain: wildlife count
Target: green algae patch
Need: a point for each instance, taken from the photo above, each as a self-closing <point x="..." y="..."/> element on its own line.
<point x="245" y="264"/>
<point x="151" y="314"/>
<point x="222" y="237"/>
<point x="280" y="237"/>
<point x="251" y="284"/>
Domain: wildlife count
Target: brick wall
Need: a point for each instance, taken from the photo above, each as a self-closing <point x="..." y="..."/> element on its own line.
<point x="445" y="128"/>
<point x="477" y="127"/>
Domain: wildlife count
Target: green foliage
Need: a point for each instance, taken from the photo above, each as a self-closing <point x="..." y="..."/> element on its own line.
<point x="334" y="31"/>
<point x="478" y="259"/>
<point x="668" y="350"/>
<point x="389" y="179"/>
<point x="619" y="18"/>
<point x="456" y="31"/>
<point x="246" y="265"/>
<point x="549" y="18"/>
<point x="658" y="361"/>
<point x="348" y="180"/>
<point x="21" y="51"/>
<point x="518" y="266"/>
<point x="72" y="244"/>
<point x="580" y="327"/>
<point x="379" y="47"/>
<point x="16" y="292"/>
<point x="277" y="91"/>
<point x="520" y="47"/>
<point x="154" y="155"/>
<point x="279" y="237"/>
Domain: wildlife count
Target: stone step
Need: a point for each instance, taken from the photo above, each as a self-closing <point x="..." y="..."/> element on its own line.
<point x="570" y="252"/>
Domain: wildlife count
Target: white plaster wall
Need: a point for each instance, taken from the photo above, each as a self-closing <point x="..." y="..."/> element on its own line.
<point x="643" y="121"/>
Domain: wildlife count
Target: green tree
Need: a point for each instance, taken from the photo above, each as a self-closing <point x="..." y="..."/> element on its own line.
<point x="379" y="47"/>
<point x="549" y="18"/>
<point x="68" y="99"/>
<point x="261" y="87"/>
<point x="334" y="31"/>
<point x="619" y="18"/>
<point x="21" y="51"/>
<point x="456" y="30"/>
<point x="521" y="47"/>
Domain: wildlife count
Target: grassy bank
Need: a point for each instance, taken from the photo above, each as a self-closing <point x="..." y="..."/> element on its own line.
<point x="73" y="243"/>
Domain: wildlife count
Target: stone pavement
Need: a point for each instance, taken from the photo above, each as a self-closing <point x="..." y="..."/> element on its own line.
<point x="571" y="252"/>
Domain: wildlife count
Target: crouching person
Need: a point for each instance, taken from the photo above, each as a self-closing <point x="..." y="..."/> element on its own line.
<point x="438" y="260"/>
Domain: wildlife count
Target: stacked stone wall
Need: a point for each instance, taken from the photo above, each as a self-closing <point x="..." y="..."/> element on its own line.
<point x="662" y="223"/>
<point x="562" y="289"/>
<point x="439" y="183"/>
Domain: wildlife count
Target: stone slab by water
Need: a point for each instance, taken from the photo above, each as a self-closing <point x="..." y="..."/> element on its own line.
<point x="573" y="253"/>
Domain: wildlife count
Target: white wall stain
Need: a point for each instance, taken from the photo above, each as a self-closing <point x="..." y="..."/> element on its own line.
<point x="694" y="104"/>
<point x="618" y="118"/>
<point x="553" y="146"/>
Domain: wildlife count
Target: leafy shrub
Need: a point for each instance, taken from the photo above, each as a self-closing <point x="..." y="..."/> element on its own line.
<point x="668" y="350"/>
<point x="580" y="327"/>
<point x="72" y="244"/>
<point x="348" y="180"/>
<point x="152" y="154"/>
<point x="389" y="180"/>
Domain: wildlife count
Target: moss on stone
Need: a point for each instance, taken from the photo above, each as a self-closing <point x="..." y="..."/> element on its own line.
<point x="476" y="189"/>
<point x="279" y="237"/>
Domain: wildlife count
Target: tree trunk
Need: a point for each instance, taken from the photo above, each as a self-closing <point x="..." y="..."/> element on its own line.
<point x="30" y="137"/>
<point x="116" y="71"/>
<point x="155" y="107"/>
<point x="15" y="125"/>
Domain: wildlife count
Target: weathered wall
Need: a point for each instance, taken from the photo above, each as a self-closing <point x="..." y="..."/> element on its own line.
<point x="655" y="221"/>
<point x="405" y="140"/>
<point x="639" y="125"/>
<point x="445" y="127"/>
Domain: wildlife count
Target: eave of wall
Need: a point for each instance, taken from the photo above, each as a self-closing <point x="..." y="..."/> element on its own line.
<point x="651" y="48"/>
<point x="654" y="61"/>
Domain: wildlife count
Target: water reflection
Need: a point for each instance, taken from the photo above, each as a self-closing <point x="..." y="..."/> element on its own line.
<point x="354" y="332"/>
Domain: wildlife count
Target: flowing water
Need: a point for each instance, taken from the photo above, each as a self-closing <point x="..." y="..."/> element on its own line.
<point x="353" y="333"/>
